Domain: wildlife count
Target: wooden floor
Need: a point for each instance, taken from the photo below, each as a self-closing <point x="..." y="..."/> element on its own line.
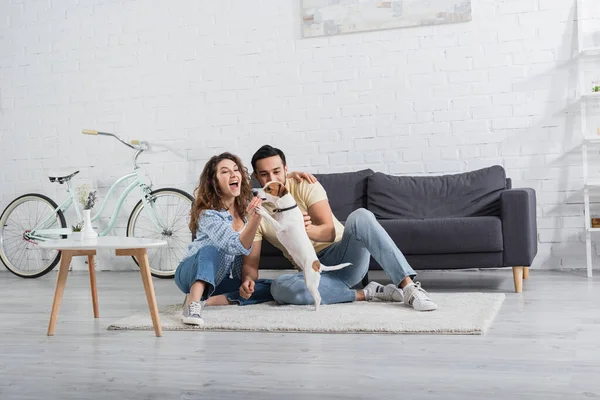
<point x="544" y="344"/>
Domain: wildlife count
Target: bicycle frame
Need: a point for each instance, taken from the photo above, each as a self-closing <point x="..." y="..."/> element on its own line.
<point x="38" y="232"/>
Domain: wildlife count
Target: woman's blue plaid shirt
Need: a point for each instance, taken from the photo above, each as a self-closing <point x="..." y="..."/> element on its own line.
<point x="215" y="229"/>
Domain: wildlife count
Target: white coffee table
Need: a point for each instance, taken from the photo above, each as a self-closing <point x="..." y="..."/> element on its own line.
<point x="123" y="246"/>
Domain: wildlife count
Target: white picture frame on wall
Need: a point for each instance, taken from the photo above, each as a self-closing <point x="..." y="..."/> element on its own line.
<point x="333" y="17"/>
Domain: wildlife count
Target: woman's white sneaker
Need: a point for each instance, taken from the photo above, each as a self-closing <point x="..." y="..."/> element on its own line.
<point x="192" y="314"/>
<point x="418" y="298"/>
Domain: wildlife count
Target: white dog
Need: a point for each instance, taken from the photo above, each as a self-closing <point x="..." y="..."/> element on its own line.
<point x="288" y="222"/>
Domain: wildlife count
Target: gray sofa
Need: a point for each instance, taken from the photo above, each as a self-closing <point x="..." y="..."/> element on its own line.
<point x="468" y="220"/>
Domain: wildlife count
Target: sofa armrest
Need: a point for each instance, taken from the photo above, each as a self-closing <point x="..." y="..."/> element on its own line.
<point x="519" y="226"/>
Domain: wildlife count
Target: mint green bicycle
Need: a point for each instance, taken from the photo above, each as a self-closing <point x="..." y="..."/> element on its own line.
<point x="159" y="214"/>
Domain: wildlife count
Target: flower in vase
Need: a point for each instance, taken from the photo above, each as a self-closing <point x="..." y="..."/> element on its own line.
<point x="91" y="201"/>
<point x="82" y="193"/>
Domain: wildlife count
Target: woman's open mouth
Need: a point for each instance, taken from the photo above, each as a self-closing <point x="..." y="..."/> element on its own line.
<point x="234" y="185"/>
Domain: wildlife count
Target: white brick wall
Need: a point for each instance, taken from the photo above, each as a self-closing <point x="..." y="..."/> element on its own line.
<point x="199" y="77"/>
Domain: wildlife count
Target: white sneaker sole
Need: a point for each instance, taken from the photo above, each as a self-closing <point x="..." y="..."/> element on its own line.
<point x="393" y="299"/>
<point x="432" y="308"/>
<point x="192" y="321"/>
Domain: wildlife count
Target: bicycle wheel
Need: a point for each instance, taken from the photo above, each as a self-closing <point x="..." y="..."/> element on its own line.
<point x="20" y="254"/>
<point x="172" y="206"/>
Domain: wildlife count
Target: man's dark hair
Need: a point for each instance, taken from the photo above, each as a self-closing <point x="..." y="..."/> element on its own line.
<point x="265" y="152"/>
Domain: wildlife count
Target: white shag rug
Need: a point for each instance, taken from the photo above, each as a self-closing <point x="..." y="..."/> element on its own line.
<point x="457" y="314"/>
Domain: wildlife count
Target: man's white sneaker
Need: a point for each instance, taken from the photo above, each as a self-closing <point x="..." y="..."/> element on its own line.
<point x="377" y="292"/>
<point x="192" y="314"/>
<point x="418" y="298"/>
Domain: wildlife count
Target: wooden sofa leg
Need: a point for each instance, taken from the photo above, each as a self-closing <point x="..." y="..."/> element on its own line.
<point x="525" y="272"/>
<point x="518" y="277"/>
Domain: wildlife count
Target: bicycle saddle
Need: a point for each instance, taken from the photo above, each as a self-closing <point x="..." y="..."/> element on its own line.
<point x="62" y="179"/>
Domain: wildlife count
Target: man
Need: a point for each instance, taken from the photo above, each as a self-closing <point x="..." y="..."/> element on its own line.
<point x="334" y="244"/>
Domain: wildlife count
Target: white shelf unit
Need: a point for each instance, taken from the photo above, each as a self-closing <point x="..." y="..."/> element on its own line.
<point x="585" y="95"/>
<point x="592" y="183"/>
<point x="591" y="96"/>
<point x="590" y="52"/>
<point x="591" y="140"/>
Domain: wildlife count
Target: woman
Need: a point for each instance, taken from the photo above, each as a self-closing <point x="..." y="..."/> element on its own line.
<point x="225" y="220"/>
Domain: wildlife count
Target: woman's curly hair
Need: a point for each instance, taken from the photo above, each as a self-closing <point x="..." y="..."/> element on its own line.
<point x="207" y="194"/>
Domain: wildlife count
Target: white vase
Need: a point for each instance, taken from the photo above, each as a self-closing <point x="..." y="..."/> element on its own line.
<point x="88" y="231"/>
<point x="75" y="235"/>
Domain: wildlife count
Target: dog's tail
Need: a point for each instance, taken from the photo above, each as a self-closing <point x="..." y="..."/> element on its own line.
<point x="334" y="267"/>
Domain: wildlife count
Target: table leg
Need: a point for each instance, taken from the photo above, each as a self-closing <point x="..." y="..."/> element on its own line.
<point x="142" y="257"/>
<point x="92" y="267"/>
<point x="65" y="261"/>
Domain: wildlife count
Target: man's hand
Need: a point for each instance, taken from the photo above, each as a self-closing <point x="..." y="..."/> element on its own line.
<point x="308" y="226"/>
<point x="307" y="221"/>
<point x="302" y="175"/>
<point x="247" y="288"/>
<point x="321" y="227"/>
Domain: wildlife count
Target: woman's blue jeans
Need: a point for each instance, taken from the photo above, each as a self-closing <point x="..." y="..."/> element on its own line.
<point x="205" y="266"/>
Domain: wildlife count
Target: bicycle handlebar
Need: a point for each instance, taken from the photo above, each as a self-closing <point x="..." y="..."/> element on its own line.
<point x="135" y="144"/>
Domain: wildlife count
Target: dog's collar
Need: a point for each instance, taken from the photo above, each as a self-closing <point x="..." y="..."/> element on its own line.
<point x="279" y="210"/>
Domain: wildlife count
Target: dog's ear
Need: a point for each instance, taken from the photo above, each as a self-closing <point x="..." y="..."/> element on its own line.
<point x="282" y="191"/>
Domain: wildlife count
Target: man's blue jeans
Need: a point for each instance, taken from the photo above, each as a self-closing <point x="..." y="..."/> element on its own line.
<point x="363" y="236"/>
<point x="203" y="266"/>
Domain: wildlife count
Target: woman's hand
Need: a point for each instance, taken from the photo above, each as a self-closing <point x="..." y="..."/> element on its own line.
<point x="247" y="288"/>
<point x="254" y="219"/>
<point x="302" y="175"/>
<point x="251" y="209"/>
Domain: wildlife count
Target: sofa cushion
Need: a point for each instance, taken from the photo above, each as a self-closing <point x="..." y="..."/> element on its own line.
<point x="346" y="191"/>
<point x="446" y="235"/>
<point x="475" y="193"/>
<point x="448" y="261"/>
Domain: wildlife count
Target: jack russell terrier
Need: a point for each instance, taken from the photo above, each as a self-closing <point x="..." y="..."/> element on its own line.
<point x="288" y="222"/>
